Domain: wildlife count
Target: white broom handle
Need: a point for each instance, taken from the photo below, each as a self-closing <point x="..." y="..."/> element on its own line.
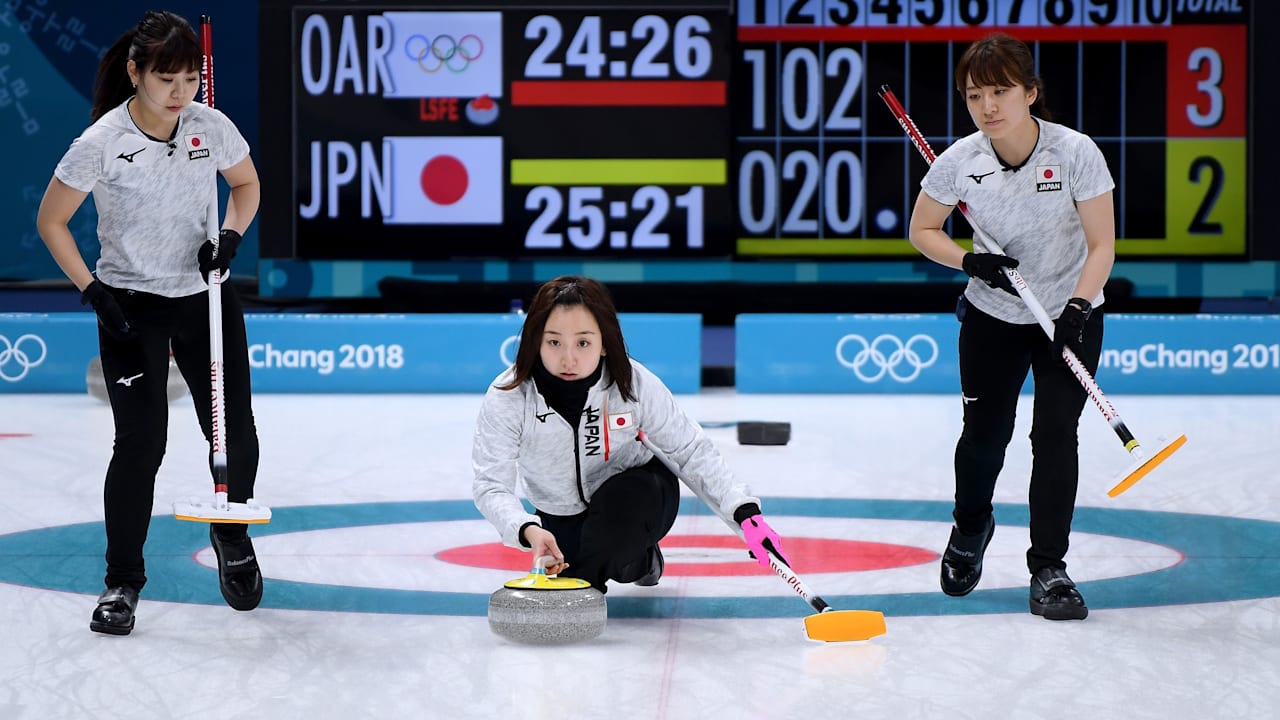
<point x="216" y="369"/>
<point x="779" y="566"/>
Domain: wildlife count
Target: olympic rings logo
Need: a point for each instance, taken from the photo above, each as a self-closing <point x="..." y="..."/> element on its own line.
<point x="20" y="353"/>
<point x="886" y="354"/>
<point x="444" y="51"/>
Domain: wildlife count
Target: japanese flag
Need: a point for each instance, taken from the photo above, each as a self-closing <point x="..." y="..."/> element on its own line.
<point x="621" y="421"/>
<point x="1049" y="173"/>
<point x="445" y="180"/>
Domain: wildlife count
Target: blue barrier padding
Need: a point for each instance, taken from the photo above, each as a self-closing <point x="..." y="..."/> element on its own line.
<point x="46" y="352"/>
<point x="349" y="353"/>
<point x="1192" y="354"/>
<point x="791" y="353"/>
<point x="1143" y="354"/>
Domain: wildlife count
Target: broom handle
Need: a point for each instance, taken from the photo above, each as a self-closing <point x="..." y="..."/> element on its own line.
<point x="779" y="566"/>
<point x="216" y="368"/>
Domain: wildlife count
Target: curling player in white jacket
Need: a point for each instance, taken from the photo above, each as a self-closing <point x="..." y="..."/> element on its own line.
<point x="561" y="428"/>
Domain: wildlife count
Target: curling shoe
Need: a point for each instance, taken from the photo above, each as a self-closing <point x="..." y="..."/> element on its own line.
<point x="656" y="565"/>
<point x="114" y="614"/>
<point x="962" y="561"/>
<point x="1054" y="596"/>
<point x="238" y="575"/>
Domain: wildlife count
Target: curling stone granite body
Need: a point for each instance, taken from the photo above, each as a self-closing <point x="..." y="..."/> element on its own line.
<point x="97" y="384"/>
<point x="538" y="616"/>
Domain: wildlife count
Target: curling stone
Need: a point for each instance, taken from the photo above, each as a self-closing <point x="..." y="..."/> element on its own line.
<point x="97" y="384"/>
<point x="539" y="609"/>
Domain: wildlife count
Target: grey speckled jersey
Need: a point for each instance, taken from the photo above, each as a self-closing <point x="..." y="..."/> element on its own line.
<point x="1031" y="213"/>
<point x="152" y="197"/>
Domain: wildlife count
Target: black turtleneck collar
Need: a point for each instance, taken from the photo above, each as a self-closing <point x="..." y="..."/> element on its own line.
<point x="566" y="397"/>
<point x="1008" y="167"/>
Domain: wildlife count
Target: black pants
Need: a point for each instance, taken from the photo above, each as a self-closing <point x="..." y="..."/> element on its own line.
<point x="136" y="373"/>
<point x="994" y="359"/>
<point x="626" y="516"/>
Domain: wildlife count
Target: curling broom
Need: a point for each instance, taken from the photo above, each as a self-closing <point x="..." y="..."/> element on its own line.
<point x="829" y="625"/>
<point x="219" y="510"/>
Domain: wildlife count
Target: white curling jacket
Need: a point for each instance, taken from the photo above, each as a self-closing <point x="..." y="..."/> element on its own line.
<point x="520" y="439"/>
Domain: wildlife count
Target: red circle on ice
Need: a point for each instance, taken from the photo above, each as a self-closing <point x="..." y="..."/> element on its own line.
<point x="809" y="555"/>
<point x="444" y="179"/>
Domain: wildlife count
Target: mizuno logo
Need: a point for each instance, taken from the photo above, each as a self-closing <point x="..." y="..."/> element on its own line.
<point x="978" y="178"/>
<point x="965" y="399"/>
<point x="543" y="417"/>
<point x="130" y="156"/>
<point x="128" y="382"/>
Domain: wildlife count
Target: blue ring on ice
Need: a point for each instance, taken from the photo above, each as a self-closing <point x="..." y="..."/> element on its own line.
<point x="1223" y="562"/>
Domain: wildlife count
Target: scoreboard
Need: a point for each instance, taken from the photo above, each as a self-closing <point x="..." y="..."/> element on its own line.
<point x="661" y="129"/>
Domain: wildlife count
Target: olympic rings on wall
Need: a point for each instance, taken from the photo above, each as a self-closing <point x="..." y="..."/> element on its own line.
<point x="443" y="51"/>
<point x="20" y="354"/>
<point x="886" y="355"/>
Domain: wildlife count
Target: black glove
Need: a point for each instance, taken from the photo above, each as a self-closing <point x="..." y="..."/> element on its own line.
<point x="228" y="241"/>
<point x="1068" y="329"/>
<point x="986" y="267"/>
<point x="110" y="314"/>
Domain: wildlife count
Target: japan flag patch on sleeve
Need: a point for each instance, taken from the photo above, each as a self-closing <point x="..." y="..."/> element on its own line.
<point x="197" y="146"/>
<point x="1048" y="178"/>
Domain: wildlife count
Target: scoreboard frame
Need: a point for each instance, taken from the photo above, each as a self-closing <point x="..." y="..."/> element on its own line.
<point x="684" y="152"/>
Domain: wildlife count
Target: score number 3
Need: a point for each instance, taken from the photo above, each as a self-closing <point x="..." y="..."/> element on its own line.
<point x="1206" y="59"/>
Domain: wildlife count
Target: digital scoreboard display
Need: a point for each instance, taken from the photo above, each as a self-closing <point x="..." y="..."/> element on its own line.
<point x="821" y="168"/>
<point x="439" y="131"/>
<point x="742" y="130"/>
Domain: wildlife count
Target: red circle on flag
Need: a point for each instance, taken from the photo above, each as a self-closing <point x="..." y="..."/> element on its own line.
<point x="195" y="142"/>
<point x="1048" y="173"/>
<point x="444" y="179"/>
<point x="809" y="555"/>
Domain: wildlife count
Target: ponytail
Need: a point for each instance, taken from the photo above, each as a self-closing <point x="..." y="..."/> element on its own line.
<point x="1040" y="108"/>
<point x="111" y="86"/>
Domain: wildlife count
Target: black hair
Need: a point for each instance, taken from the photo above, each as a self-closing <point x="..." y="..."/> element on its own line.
<point x="570" y="291"/>
<point x="1002" y="60"/>
<point x="162" y="42"/>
